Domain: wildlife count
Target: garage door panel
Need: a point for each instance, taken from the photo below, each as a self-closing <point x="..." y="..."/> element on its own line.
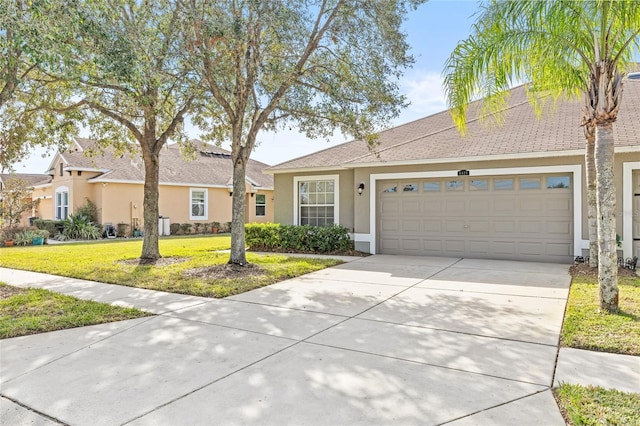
<point x="432" y="225"/>
<point x="531" y="248"/>
<point x="504" y="226"/>
<point x="479" y="206"/>
<point x="504" y="247"/>
<point x="560" y="205"/>
<point x="531" y="226"/>
<point x="495" y="221"/>
<point x="411" y="206"/>
<point x="455" y="246"/>
<point x="504" y="206"/>
<point x="391" y="206"/>
<point x="479" y="247"/>
<point x="531" y="205"/>
<point x="390" y="244"/>
<point x="559" y="227"/>
<point x="456" y="225"/>
<point x="454" y="206"/>
<point x="483" y="226"/>
<point x="390" y="225"/>
<point x="559" y="249"/>
<point x="432" y="246"/>
<point x="412" y="244"/>
<point x="432" y="206"/>
<point x="411" y="225"/>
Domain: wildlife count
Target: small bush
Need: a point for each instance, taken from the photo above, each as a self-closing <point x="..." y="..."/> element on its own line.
<point x="53" y="226"/>
<point x="186" y="228"/>
<point x="291" y="238"/>
<point x="90" y="210"/>
<point x="79" y="227"/>
<point x="24" y="237"/>
<point x="174" y="228"/>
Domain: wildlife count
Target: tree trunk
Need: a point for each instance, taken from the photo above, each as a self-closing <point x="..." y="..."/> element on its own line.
<point x="592" y="210"/>
<point x="606" y="208"/>
<point x="150" y="250"/>
<point x="238" y="255"/>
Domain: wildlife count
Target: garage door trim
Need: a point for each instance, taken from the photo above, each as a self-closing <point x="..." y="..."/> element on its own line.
<point x="575" y="169"/>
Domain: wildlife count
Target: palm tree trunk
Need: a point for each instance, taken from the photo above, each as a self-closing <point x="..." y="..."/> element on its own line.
<point x="606" y="210"/>
<point x="592" y="210"/>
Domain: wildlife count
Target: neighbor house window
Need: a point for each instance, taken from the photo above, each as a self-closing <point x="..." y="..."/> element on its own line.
<point x="198" y="203"/>
<point x="261" y="204"/>
<point x="316" y="200"/>
<point x="62" y="203"/>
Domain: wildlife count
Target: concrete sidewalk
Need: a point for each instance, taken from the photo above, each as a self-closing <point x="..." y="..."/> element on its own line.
<point x="382" y="339"/>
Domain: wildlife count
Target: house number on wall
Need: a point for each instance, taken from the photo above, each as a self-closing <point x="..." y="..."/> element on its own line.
<point x="463" y="172"/>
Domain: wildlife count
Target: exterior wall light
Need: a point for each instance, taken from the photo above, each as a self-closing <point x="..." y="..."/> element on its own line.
<point x="360" y="188"/>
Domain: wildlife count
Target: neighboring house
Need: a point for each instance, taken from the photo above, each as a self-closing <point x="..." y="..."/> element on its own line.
<point x="516" y="191"/>
<point x="193" y="189"/>
<point x="30" y="180"/>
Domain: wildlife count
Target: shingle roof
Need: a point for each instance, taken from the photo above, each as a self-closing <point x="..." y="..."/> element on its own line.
<point x="30" y="178"/>
<point x="210" y="166"/>
<point x="523" y="133"/>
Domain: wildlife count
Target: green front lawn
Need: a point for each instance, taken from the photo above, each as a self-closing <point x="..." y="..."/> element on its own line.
<point x="190" y="265"/>
<point x="589" y="405"/>
<point x="32" y="311"/>
<point x="585" y="327"/>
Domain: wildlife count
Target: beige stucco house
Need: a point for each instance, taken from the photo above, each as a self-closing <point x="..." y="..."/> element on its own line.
<point x="193" y="189"/>
<point x="29" y="180"/>
<point x="515" y="191"/>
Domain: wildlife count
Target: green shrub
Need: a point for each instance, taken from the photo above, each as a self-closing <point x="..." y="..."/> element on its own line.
<point x="90" y="210"/>
<point x="24" y="237"/>
<point x="79" y="227"/>
<point x="53" y="226"/>
<point x="174" y="228"/>
<point x="186" y="228"/>
<point x="291" y="238"/>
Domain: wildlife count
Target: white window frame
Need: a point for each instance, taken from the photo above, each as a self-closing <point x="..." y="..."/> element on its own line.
<point x="206" y="204"/>
<point x="261" y="205"/>
<point x="59" y="206"/>
<point x="336" y="195"/>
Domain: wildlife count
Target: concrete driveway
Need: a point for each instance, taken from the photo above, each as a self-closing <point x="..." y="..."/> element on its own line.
<point x="380" y="340"/>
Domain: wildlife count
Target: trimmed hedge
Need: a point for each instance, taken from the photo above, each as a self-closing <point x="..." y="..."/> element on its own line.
<point x="292" y="238"/>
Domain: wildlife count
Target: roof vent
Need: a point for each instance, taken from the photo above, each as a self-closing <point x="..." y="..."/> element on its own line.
<point x="634" y="76"/>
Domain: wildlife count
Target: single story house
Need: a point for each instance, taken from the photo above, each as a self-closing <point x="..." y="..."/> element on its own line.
<point x="193" y="189"/>
<point x="515" y="191"/>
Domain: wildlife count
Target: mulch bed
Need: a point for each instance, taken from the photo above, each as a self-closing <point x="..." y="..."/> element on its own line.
<point x="225" y="270"/>
<point x="583" y="269"/>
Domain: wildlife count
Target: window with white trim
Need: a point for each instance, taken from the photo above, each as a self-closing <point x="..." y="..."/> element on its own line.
<point x="261" y="205"/>
<point x="62" y="203"/>
<point x="317" y="201"/>
<point x="198" y="204"/>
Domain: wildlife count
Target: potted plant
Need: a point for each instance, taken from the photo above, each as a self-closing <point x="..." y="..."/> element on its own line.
<point x="40" y="237"/>
<point x="215" y="227"/>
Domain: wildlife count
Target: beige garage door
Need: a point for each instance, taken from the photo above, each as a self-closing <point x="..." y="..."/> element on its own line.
<point x="526" y="217"/>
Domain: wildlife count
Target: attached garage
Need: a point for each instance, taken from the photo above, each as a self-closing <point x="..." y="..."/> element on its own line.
<point x="524" y="217"/>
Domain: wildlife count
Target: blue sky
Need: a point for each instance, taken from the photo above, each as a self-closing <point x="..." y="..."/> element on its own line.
<point x="433" y="31"/>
